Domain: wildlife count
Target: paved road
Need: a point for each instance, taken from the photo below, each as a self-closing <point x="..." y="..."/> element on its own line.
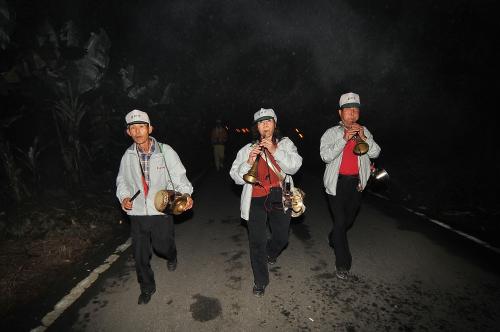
<point x="408" y="275"/>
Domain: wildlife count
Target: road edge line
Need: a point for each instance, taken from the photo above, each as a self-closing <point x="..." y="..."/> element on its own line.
<point x="446" y="226"/>
<point x="80" y="288"/>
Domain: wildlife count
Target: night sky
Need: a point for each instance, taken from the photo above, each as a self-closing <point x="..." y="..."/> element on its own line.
<point x="424" y="71"/>
<point x="296" y="56"/>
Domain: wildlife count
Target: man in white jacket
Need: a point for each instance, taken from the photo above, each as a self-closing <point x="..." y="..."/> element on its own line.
<point x="346" y="175"/>
<point x="278" y="157"/>
<point x="148" y="166"/>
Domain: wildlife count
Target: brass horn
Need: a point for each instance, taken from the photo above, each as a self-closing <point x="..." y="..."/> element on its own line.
<point x="251" y="176"/>
<point x="361" y="146"/>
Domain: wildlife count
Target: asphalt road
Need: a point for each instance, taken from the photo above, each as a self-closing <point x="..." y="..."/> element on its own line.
<point x="407" y="275"/>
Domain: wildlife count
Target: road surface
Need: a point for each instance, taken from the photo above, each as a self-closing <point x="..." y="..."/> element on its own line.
<point x="407" y="275"/>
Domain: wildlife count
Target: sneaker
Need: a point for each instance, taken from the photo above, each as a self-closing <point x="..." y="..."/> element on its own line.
<point x="342" y="274"/>
<point x="271" y="260"/>
<point x="172" y="265"/>
<point x="258" y="290"/>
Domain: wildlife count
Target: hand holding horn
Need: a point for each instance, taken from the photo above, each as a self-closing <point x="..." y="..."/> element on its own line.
<point x="356" y="132"/>
<point x="253" y="159"/>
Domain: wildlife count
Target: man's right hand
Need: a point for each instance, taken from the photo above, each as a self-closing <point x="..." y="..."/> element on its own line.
<point x="127" y="204"/>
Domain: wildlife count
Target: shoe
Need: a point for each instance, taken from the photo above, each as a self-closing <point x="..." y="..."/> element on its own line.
<point x="172" y="265"/>
<point x="145" y="297"/>
<point x="342" y="274"/>
<point x="258" y="290"/>
<point x="271" y="260"/>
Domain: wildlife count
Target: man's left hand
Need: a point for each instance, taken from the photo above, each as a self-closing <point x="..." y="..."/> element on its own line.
<point x="189" y="204"/>
<point x="360" y="129"/>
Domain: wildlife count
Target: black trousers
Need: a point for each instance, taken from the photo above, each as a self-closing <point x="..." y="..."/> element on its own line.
<point x="344" y="207"/>
<point x="151" y="232"/>
<point x="260" y="245"/>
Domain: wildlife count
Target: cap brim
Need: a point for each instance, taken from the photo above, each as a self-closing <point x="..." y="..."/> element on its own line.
<point x="351" y="105"/>
<point x="137" y="122"/>
<point x="267" y="117"/>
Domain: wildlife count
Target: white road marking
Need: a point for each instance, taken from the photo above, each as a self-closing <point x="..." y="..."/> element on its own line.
<point x="439" y="223"/>
<point x="80" y="288"/>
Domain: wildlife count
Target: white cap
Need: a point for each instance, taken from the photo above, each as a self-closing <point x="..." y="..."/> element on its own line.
<point x="137" y="116"/>
<point x="349" y="99"/>
<point x="264" y="114"/>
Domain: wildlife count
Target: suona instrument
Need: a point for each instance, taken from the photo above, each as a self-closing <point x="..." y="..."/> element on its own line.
<point x="361" y="147"/>
<point x="251" y="175"/>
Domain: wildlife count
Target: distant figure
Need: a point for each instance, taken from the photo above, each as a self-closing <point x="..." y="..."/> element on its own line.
<point x="346" y="149"/>
<point x="219" y="139"/>
<point x="262" y="200"/>
<point x="148" y="166"/>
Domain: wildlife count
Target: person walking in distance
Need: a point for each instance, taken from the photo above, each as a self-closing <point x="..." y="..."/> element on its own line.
<point x="219" y="139"/>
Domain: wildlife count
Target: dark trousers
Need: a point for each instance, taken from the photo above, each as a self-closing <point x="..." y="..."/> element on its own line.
<point x="151" y="232"/>
<point x="344" y="207"/>
<point x="260" y="245"/>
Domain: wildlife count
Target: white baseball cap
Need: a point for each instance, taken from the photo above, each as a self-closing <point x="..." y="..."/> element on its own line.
<point x="349" y="99"/>
<point x="137" y="116"/>
<point x="264" y="114"/>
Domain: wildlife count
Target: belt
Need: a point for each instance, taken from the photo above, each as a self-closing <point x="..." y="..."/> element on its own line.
<point x="352" y="176"/>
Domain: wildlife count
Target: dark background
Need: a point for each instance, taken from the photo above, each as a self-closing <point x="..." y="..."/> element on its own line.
<point x="425" y="71"/>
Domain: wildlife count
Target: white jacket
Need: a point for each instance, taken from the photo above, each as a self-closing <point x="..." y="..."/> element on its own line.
<point x="129" y="178"/>
<point x="286" y="156"/>
<point x="332" y="145"/>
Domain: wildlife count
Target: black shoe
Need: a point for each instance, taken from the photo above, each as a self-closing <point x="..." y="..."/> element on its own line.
<point x="271" y="260"/>
<point x="172" y="265"/>
<point x="145" y="297"/>
<point x="258" y="290"/>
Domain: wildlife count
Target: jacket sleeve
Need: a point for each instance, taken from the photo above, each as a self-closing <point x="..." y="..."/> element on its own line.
<point x="331" y="146"/>
<point x="374" y="149"/>
<point x="122" y="188"/>
<point x="177" y="171"/>
<point x="240" y="166"/>
<point x="287" y="157"/>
